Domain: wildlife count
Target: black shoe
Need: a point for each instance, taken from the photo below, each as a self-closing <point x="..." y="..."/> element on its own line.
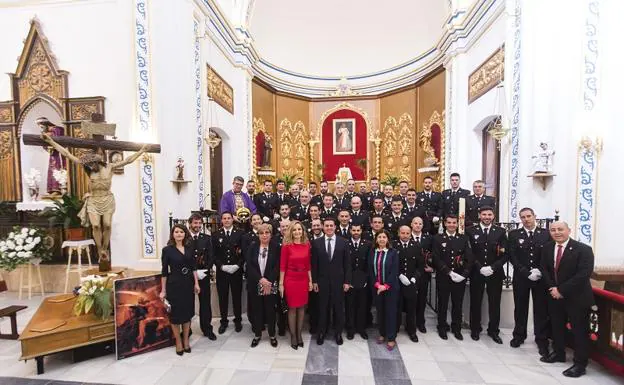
<point x="320" y="339"/>
<point x="211" y="336"/>
<point x="364" y="335"/>
<point x="475" y="336"/>
<point x="516" y="342"/>
<point x="238" y="327"/>
<point x="413" y="337"/>
<point x="442" y="334"/>
<point x="544" y="351"/>
<point x="300" y="344"/>
<point x="574" y="371"/>
<point x="222" y="329"/>
<point x="350" y="335"/>
<point x="294" y="346"/>
<point x="187" y="350"/>
<point x="274" y="342"/>
<point x="553" y="357"/>
<point x="496" y="338"/>
<point x="179" y="353"/>
<point x="339" y="340"/>
<point x="281" y="333"/>
<point x="458" y="335"/>
<point x="422" y="329"/>
<point x="255" y="342"/>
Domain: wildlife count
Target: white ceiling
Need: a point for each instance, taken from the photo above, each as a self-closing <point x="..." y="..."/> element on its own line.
<point x="345" y="37"/>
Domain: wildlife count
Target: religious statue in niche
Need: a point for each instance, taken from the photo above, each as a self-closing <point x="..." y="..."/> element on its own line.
<point x="344" y="136"/>
<point x="56" y="160"/>
<point x="99" y="202"/>
<point x="180" y="169"/>
<point x="266" y="152"/>
<point x="543" y="159"/>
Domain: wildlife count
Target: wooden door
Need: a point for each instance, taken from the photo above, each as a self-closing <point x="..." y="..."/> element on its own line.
<point x="491" y="166"/>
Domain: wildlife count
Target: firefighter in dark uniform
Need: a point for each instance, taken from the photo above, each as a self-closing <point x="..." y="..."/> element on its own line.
<point x="301" y="212"/>
<point x="328" y="210"/>
<point x="343" y="228"/>
<point x="423" y="241"/>
<point x="477" y="200"/>
<point x="266" y="201"/>
<point x="449" y="203"/>
<point x="204" y="260"/>
<point x="411" y="271"/>
<point x="489" y="244"/>
<point x="229" y="262"/>
<point x="373" y="193"/>
<point x="359" y="216"/>
<point x="525" y="249"/>
<point x="452" y="259"/>
<point x="431" y="202"/>
<point x="356" y="299"/>
<point x="396" y="218"/>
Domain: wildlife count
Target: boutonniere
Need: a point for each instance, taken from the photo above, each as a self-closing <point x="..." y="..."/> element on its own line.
<point x="220" y="240"/>
<point x="520" y="241"/>
<point x="264" y="201"/>
<point x="448" y="197"/>
<point x="476" y="236"/>
<point x="443" y="244"/>
<point x="422" y="199"/>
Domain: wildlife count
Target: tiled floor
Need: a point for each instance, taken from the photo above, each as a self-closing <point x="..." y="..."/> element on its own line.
<point x="230" y="361"/>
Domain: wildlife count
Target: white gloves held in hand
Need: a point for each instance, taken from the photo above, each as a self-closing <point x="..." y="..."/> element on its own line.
<point x="404" y="280"/>
<point x="436" y="219"/>
<point x="230" y="269"/>
<point x="486" y="271"/>
<point x="456" y="277"/>
<point x="535" y="275"/>
<point x="201" y="274"/>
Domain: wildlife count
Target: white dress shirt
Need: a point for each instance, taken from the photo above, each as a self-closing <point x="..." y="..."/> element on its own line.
<point x="332" y="242"/>
<point x="262" y="261"/>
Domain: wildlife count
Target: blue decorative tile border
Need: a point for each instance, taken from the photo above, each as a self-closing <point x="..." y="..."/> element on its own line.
<point x="198" y="117"/>
<point x="142" y="49"/>
<point x="589" y="151"/>
<point x="515" y="112"/>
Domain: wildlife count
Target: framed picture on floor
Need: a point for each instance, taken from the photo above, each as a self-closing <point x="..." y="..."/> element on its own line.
<point x="141" y="319"/>
<point x="344" y="136"/>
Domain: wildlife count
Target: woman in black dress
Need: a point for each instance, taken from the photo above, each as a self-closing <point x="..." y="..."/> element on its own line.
<point x="179" y="285"/>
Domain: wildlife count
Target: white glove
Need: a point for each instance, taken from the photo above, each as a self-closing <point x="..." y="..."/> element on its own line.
<point x="265" y="219"/>
<point x="436" y="219"/>
<point x="276" y="216"/>
<point x="234" y="268"/>
<point x="456" y="277"/>
<point x="486" y="271"/>
<point x="535" y="275"/>
<point x="404" y="280"/>
<point x="413" y="280"/>
<point x="201" y="274"/>
<point x="225" y="268"/>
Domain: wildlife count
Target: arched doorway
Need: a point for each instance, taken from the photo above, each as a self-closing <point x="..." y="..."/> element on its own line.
<point x="216" y="170"/>
<point x="490" y="161"/>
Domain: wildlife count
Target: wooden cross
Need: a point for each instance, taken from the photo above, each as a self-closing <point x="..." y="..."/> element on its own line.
<point x="99" y="130"/>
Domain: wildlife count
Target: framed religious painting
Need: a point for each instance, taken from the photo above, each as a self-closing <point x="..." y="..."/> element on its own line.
<point x="344" y="136"/>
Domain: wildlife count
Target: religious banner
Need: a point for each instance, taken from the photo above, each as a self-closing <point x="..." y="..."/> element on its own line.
<point x="141" y="319"/>
<point x="487" y="76"/>
<point x="220" y="91"/>
<point x="344" y="136"/>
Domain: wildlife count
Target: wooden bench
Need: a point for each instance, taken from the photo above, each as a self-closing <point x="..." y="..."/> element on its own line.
<point x="11" y="311"/>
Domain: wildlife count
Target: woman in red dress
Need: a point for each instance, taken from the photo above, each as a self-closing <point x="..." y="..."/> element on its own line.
<point x="295" y="278"/>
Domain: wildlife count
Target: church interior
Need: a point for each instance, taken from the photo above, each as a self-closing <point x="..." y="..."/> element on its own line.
<point x="121" y="118"/>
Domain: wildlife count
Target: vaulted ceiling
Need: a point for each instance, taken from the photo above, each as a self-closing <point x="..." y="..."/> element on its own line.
<point x="345" y="37"/>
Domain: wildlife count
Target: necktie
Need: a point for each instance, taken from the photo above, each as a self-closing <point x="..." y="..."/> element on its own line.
<point x="428" y="196"/>
<point x="485" y="231"/>
<point x="558" y="260"/>
<point x="329" y="248"/>
<point x="227" y="233"/>
<point x="344" y="232"/>
<point x="530" y="234"/>
<point x="418" y="240"/>
<point x="194" y="237"/>
<point x="452" y="193"/>
<point x="405" y="245"/>
<point x="356" y="245"/>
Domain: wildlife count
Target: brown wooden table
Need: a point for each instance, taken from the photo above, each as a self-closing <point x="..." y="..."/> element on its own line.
<point x="75" y="332"/>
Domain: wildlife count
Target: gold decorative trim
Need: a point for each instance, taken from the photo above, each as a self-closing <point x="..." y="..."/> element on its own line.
<point x="6" y="114"/>
<point x="257" y="126"/>
<point x="487" y="75"/>
<point x="397" y="146"/>
<point x="6" y="145"/>
<point x="430" y="161"/>
<point x="220" y="91"/>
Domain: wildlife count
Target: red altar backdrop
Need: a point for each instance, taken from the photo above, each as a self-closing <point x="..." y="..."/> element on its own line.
<point x="334" y="162"/>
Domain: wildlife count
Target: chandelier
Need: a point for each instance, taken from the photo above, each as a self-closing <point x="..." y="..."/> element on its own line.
<point x="212" y="139"/>
<point x="499" y="127"/>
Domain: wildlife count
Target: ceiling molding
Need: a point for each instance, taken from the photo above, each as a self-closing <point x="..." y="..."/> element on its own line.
<point x="457" y="38"/>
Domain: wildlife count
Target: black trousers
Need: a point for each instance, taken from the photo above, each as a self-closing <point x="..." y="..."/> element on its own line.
<point x="261" y="311"/>
<point x="355" y="309"/>
<point x="328" y="302"/>
<point x="447" y="288"/>
<point x="225" y="283"/>
<point x="313" y="311"/>
<point x="560" y="312"/>
<point x="522" y="287"/>
<point x="406" y="303"/>
<point x="281" y="318"/>
<point x="494" y="286"/>
<point x="386" y="304"/>
<point x="421" y="299"/>
<point x="205" y="308"/>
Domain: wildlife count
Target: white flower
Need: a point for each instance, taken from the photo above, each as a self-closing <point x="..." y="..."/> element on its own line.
<point x="2" y="243"/>
<point x="24" y="230"/>
<point x="19" y="242"/>
<point x="11" y="235"/>
<point x="10" y="244"/>
<point x="21" y="254"/>
<point x="12" y="254"/>
<point x="3" y="249"/>
<point x="28" y="247"/>
<point x="19" y="248"/>
<point x="28" y="254"/>
<point x="29" y="240"/>
<point x="92" y="290"/>
<point x="32" y="232"/>
<point x="37" y="240"/>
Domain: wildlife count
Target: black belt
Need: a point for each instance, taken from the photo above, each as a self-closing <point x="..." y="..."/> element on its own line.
<point x="184" y="271"/>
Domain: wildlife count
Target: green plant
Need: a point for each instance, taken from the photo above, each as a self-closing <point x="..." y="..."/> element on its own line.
<point x="362" y="164"/>
<point x="390" y="180"/>
<point x="289" y="180"/>
<point x="95" y="293"/>
<point x="65" y="212"/>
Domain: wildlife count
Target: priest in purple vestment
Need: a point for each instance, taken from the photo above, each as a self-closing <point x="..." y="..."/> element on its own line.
<point x="56" y="161"/>
<point x="235" y="198"/>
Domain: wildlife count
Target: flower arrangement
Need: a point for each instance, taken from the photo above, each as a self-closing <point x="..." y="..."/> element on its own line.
<point x="61" y="177"/>
<point x="23" y="245"/>
<point x="33" y="179"/>
<point x="95" y="295"/>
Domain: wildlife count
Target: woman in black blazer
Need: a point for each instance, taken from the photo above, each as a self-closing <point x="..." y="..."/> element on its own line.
<point x="383" y="268"/>
<point x="262" y="259"/>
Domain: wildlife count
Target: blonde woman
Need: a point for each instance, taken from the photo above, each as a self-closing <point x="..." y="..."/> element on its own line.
<point x="295" y="278"/>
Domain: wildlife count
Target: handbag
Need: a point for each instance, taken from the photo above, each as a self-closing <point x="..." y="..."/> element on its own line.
<point x="273" y="289"/>
<point x="283" y="305"/>
<point x="167" y="305"/>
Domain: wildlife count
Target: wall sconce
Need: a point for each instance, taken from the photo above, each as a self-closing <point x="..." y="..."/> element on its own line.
<point x="212" y="140"/>
<point x="588" y="144"/>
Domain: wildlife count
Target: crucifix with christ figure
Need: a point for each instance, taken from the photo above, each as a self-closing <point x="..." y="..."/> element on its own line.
<point x="99" y="201"/>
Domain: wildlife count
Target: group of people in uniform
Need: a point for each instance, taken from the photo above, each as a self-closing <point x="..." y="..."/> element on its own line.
<point x="341" y="253"/>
